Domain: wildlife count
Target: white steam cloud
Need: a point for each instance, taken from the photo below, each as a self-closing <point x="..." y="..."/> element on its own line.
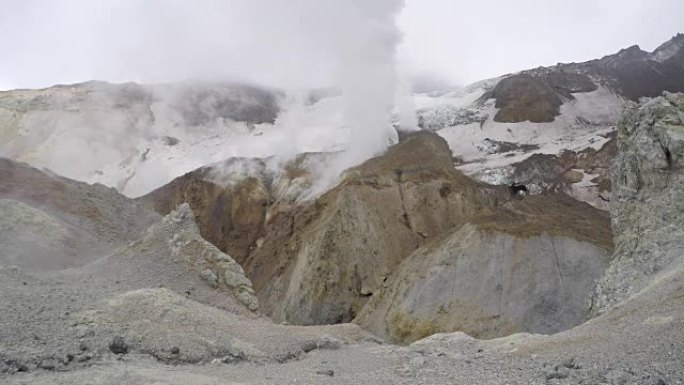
<point x="295" y="45"/>
<point x="363" y="38"/>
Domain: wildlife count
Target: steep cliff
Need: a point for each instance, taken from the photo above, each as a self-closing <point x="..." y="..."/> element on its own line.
<point x="647" y="209"/>
<point x="319" y="262"/>
<point x="529" y="267"/>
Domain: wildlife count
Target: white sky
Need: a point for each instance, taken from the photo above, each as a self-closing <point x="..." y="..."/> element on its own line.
<point x="287" y="42"/>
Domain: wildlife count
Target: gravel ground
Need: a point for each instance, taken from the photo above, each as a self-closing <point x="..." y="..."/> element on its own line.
<point x="57" y="329"/>
<point x="143" y="314"/>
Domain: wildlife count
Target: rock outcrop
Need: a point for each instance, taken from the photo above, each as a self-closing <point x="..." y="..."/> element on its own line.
<point x="230" y="215"/>
<point x="320" y="262"/>
<point x="528" y="268"/>
<point x="179" y="230"/>
<point x="646" y="204"/>
<point x="233" y="199"/>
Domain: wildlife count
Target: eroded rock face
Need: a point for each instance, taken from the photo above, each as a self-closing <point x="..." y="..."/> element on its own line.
<point x="528" y="268"/>
<point x="320" y="262"/>
<point x="232" y="200"/>
<point x="647" y="209"/>
<point x="216" y="268"/>
<point x="229" y="216"/>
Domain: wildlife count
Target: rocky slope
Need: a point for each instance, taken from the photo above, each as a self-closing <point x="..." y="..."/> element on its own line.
<point x="320" y="261"/>
<point x="233" y="199"/>
<point x="398" y="200"/>
<point x="110" y="322"/>
<point x="50" y="222"/>
<point x="490" y="283"/>
<point x="97" y="288"/>
<point x="648" y="178"/>
<point x="230" y="215"/>
<point x="140" y="298"/>
<point x="495" y="128"/>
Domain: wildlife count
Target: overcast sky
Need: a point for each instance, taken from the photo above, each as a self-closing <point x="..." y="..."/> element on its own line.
<point x="288" y="42"/>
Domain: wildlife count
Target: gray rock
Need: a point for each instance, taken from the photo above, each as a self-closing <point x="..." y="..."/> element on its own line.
<point x="328" y="342"/>
<point x="48" y="364"/>
<point x="326" y="372"/>
<point x="209" y="277"/>
<point x="118" y="345"/>
<point x="571" y="363"/>
<point x="83" y="346"/>
<point x="85" y="357"/>
<point x="487" y="284"/>
<point x="186" y="243"/>
<point x="16" y="366"/>
<point x="558" y="373"/>
<point x="233" y="358"/>
<point x="648" y="178"/>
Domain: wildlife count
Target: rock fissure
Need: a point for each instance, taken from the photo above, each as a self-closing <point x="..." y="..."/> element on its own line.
<point x="405" y="215"/>
<point x="557" y="259"/>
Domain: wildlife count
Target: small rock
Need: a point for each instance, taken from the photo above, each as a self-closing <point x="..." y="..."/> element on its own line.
<point x="209" y="277"/>
<point x="326" y="372"/>
<point x="663" y="381"/>
<point x="68" y="358"/>
<point x="85" y="357"/>
<point x="248" y="299"/>
<point x="83" y="346"/>
<point x="236" y="279"/>
<point x="118" y="345"/>
<point x="48" y="364"/>
<point x="175" y="350"/>
<point x="308" y="346"/>
<point x="328" y="342"/>
<point x="559" y="373"/>
<point x="233" y="358"/>
<point x="571" y="363"/>
<point x="17" y="365"/>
